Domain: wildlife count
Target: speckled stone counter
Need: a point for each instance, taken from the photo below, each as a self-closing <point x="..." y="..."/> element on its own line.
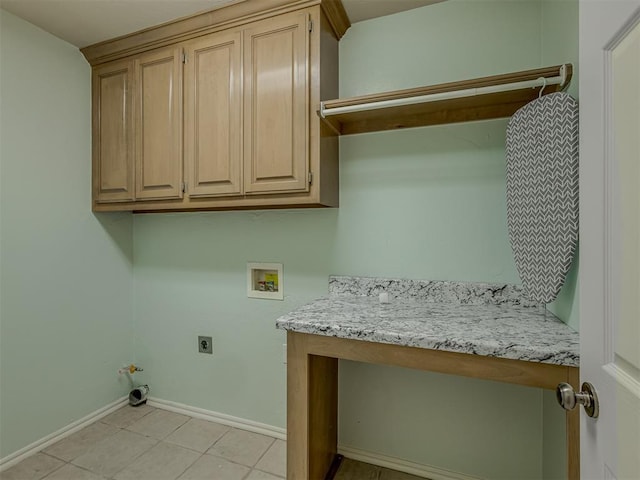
<point x="482" y="319"/>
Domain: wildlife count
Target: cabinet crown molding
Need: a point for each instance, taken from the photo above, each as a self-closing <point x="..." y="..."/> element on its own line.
<point x="227" y="16"/>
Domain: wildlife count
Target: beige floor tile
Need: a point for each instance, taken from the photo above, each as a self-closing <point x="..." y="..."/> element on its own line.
<point x="165" y="461"/>
<point x="386" y="474"/>
<point x="208" y="467"/>
<point x="78" y="443"/>
<point x="352" y="470"/>
<point x="241" y="447"/>
<point x="258" y="475"/>
<point x="158" y="424"/>
<point x="71" y="472"/>
<point x="198" y="434"/>
<point x="34" y="467"/>
<point x="102" y="450"/>
<point x="275" y="460"/>
<point x="114" y="453"/>
<point x="127" y="415"/>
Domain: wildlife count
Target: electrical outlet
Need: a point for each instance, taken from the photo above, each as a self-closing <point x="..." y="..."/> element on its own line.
<point x="205" y="345"/>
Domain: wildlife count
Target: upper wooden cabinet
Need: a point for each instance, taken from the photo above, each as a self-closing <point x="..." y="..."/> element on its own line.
<point x="158" y="124"/>
<point x="276" y="101"/>
<point x="219" y="116"/>
<point x="137" y="128"/>
<point x="113" y="168"/>
<point x="213" y="115"/>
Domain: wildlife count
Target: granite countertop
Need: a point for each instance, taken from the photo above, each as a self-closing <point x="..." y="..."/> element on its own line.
<point x="482" y="319"/>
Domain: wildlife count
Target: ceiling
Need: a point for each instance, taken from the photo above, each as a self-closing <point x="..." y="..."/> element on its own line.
<point x="85" y="22"/>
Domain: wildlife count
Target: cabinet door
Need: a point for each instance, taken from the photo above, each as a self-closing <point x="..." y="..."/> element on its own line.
<point x="276" y="90"/>
<point x="159" y="125"/>
<point x="213" y="108"/>
<point x="113" y="171"/>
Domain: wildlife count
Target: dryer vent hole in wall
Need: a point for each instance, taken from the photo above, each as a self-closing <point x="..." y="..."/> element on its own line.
<point x="205" y="345"/>
<point x="138" y="396"/>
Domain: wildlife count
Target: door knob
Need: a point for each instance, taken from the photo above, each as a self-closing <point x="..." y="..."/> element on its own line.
<point x="568" y="399"/>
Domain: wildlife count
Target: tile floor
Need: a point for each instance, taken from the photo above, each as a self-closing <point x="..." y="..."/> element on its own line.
<point x="146" y="443"/>
<point x="350" y="470"/>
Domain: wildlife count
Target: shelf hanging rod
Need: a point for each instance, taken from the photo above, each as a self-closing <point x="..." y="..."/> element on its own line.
<point x="560" y="79"/>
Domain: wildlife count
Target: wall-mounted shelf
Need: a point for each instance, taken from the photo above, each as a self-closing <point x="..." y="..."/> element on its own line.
<point x="483" y="98"/>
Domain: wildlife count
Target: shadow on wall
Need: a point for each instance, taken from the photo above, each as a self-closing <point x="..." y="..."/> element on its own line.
<point x="442" y="155"/>
<point x="565" y="305"/>
<point x="118" y="227"/>
<point x="222" y="242"/>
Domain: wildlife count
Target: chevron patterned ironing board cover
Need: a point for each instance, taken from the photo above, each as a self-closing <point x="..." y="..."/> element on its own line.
<point x="542" y="192"/>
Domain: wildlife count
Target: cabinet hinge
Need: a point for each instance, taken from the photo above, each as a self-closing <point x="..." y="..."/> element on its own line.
<point x="310" y="177"/>
<point x="310" y="25"/>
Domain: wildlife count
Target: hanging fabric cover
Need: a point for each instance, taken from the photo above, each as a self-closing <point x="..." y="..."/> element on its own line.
<point x="542" y="192"/>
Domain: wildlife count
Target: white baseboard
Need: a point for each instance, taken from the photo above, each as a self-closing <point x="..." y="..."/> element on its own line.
<point x="58" y="435"/>
<point x="222" y="418"/>
<point x="418" y="469"/>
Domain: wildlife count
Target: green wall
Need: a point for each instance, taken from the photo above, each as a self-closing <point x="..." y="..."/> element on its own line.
<point x="66" y="300"/>
<point x="424" y="203"/>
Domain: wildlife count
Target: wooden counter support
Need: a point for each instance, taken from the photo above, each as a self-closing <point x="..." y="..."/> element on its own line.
<point x="312" y="410"/>
<point x="573" y="429"/>
<point x="312" y="391"/>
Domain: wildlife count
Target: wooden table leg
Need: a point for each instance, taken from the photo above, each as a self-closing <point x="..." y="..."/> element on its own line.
<point x="573" y="429"/>
<point x="323" y="415"/>
<point x="312" y="411"/>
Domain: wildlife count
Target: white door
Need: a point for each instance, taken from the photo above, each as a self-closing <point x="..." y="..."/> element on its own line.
<point x="609" y="235"/>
